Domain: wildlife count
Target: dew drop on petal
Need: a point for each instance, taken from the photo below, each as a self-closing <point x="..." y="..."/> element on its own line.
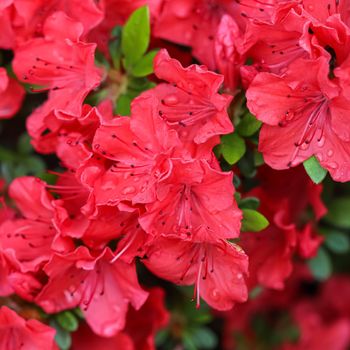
<point x="321" y="141"/>
<point x="330" y="153"/>
<point x="319" y="156"/>
<point x="171" y="100"/>
<point x="304" y="146"/>
<point x="215" y="294"/>
<point x="129" y="190"/>
<point x="333" y="165"/>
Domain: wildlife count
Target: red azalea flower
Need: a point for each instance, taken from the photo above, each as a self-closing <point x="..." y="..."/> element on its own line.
<point x="7" y="35"/>
<point x="274" y="46"/>
<point x="326" y="9"/>
<point x="102" y="288"/>
<point x="270" y="252"/>
<point x="11" y="95"/>
<point x="84" y="338"/>
<point x="196" y="203"/>
<point x="139" y="151"/>
<point x="193" y="23"/>
<point x="139" y="331"/>
<point x="302" y="117"/>
<point x="29" y="16"/>
<point x="142" y="324"/>
<point x="317" y="333"/>
<point x="227" y="56"/>
<point x="291" y="231"/>
<point x="17" y="333"/>
<point x="191" y="104"/>
<point x="62" y="64"/>
<point x="116" y="12"/>
<point x="217" y="270"/>
<point x="31" y="240"/>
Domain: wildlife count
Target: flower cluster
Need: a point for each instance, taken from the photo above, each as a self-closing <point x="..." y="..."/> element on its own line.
<point x="152" y="168"/>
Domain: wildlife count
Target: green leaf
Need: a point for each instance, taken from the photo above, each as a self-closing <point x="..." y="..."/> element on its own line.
<point x="62" y="337"/>
<point x="136" y="36"/>
<point x="23" y="145"/>
<point x="249" y="203"/>
<point x="258" y="158"/>
<point x="138" y="85"/>
<point x="67" y="321"/>
<point x="255" y="292"/>
<point x="144" y="66"/>
<point x="33" y="165"/>
<point x="246" y="165"/>
<point x="123" y="105"/>
<point x="161" y="337"/>
<point x="314" y="170"/>
<point x="115" y="49"/>
<point x="77" y="311"/>
<point x="338" y="242"/>
<point x="248" y="126"/>
<point x="253" y="221"/>
<point x="321" y="265"/>
<point x="339" y="212"/>
<point x="232" y="148"/>
<point x="188" y="342"/>
<point x="204" y="338"/>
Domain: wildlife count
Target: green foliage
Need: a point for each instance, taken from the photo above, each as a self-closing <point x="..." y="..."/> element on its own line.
<point x="68" y="321"/>
<point x="135" y="87"/>
<point x="315" y="170"/>
<point x="339" y="212"/>
<point x="248" y="125"/>
<point x="321" y="265"/>
<point x="136" y="36"/>
<point x="62" y="337"/>
<point x="255" y="292"/>
<point x="204" y="338"/>
<point x="115" y="47"/>
<point x="144" y="66"/>
<point x="20" y="162"/>
<point x="337" y="242"/>
<point x="232" y="148"/>
<point x="253" y="221"/>
<point x="249" y="203"/>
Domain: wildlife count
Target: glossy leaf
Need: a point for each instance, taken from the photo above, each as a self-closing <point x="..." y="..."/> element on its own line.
<point x="232" y="148"/>
<point x="314" y="170"/>
<point x="253" y="221"/>
<point x="136" y="36"/>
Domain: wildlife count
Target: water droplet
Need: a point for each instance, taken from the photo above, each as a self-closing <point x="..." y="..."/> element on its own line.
<point x="321" y="141"/>
<point x="289" y="115"/>
<point x="310" y="7"/>
<point x="129" y="190"/>
<point x="319" y="156"/>
<point x="171" y="100"/>
<point x="304" y="146"/>
<point x="333" y="165"/>
<point x="330" y="153"/>
<point x="108" y="185"/>
<point x="239" y="276"/>
<point x="215" y="293"/>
